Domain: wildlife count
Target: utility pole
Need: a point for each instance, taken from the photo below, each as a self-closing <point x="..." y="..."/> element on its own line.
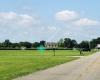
<point x="89" y="45"/>
<point x="54" y="51"/>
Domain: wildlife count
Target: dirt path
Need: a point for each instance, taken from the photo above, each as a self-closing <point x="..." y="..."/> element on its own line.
<point x="85" y="68"/>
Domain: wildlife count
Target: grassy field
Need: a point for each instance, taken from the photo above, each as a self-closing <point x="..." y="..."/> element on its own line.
<point x="15" y="63"/>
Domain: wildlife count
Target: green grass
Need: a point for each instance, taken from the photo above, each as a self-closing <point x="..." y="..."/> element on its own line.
<point x="20" y="53"/>
<point x="15" y="63"/>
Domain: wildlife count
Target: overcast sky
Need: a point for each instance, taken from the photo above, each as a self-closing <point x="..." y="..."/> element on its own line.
<point x="50" y="20"/>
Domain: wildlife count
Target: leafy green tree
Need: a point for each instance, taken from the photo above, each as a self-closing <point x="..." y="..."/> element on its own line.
<point x="25" y="44"/>
<point x="94" y="42"/>
<point x="36" y="44"/>
<point x="84" y="44"/>
<point x="15" y="45"/>
<point x="73" y="43"/>
<point x="6" y="44"/>
<point x="43" y="43"/>
<point x="61" y="43"/>
<point x="69" y="43"/>
<point x="0" y="45"/>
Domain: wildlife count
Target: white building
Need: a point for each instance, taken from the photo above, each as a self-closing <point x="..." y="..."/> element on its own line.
<point x="51" y="45"/>
<point x="98" y="46"/>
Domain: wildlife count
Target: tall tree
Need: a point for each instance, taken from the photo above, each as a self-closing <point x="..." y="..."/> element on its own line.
<point x="73" y="43"/>
<point x="84" y="44"/>
<point x="67" y="42"/>
<point x="36" y="44"/>
<point x="7" y="43"/>
<point x="43" y="43"/>
<point x="61" y="43"/>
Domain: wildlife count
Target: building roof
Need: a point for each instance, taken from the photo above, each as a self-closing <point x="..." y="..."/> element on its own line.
<point x="51" y="43"/>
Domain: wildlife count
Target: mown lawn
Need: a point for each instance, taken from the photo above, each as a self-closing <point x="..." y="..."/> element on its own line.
<point x="15" y="63"/>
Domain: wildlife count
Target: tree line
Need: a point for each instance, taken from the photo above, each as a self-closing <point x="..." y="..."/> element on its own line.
<point x="8" y="44"/>
<point x="69" y="43"/>
<point x="63" y="43"/>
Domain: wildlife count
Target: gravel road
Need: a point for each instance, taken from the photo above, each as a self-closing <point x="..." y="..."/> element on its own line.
<point x="85" y="68"/>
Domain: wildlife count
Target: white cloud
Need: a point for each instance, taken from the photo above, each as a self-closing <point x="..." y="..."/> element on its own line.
<point x="52" y="28"/>
<point x="86" y="22"/>
<point x="26" y="19"/>
<point x="66" y="15"/>
<point x="74" y="18"/>
<point x="12" y="18"/>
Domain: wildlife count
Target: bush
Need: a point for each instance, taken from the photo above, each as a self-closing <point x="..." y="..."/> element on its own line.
<point x="85" y="49"/>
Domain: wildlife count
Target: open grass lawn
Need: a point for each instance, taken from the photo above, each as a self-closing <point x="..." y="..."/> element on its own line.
<point x="15" y="63"/>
